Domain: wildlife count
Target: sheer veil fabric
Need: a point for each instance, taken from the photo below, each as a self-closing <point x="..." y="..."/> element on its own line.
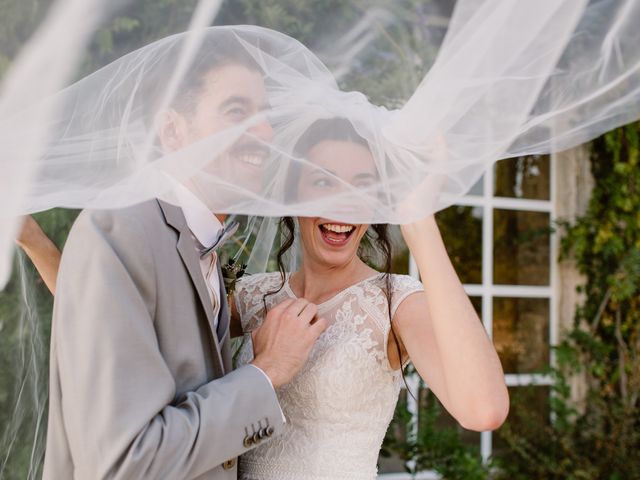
<point x="509" y="79"/>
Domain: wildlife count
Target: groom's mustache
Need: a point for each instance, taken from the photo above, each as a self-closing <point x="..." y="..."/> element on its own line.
<point x="250" y="147"/>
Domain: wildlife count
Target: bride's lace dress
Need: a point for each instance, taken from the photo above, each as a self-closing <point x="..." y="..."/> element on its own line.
<point x="340" y="404"/>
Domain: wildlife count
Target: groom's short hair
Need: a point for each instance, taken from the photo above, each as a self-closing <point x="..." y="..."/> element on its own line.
<point x="216" y="51"/>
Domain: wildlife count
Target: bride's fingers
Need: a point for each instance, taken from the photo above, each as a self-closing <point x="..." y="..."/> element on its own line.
<point x="423" y="199"/>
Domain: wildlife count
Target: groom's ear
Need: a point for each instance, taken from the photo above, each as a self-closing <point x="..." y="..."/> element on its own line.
<point x="172" y="130"/>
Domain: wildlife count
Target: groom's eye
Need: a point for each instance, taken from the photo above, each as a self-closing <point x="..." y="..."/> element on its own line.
<point x="236" y="113"/>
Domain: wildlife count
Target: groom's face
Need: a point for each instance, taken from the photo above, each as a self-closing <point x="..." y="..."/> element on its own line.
<point x="229" y="95"/>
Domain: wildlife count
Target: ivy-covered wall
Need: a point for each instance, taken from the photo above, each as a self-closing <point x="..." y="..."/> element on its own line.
<point x="598" y="438"/>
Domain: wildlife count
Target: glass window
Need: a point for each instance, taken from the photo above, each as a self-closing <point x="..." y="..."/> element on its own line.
<point x="461" y="229"/>
<point x="521" y="247"/>
<point x="521" y="333"/>
<point x="523" y="177"/>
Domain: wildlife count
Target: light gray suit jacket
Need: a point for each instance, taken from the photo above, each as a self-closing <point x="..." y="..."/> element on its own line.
<point x="140" y="381"/>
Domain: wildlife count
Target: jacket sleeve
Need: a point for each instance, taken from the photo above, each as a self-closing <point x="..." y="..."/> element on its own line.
<point x="120" y="413"/>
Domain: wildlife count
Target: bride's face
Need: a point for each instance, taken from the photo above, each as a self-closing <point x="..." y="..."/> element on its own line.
<point x="335" y="166"/>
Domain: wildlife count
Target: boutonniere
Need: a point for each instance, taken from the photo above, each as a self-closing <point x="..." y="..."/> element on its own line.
<point x="231" y="272"/>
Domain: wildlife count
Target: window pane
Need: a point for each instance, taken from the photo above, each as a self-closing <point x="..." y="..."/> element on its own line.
<point x="461" y="229"/>
<point x="523" y="177"/>
<point x="528" y="411"/>
<point x="477" y="305"/>
<point x="521" y="247"/>
<point x="521" y="333"/>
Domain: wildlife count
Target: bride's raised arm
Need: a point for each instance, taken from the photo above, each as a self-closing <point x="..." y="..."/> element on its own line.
<point x="41" y="250"/>
<point x="444" y="338"/>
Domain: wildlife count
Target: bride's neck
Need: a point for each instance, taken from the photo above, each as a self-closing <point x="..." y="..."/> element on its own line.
<point x="318" y="283"/>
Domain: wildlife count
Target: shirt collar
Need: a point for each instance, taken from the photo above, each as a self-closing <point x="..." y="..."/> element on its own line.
<point x="204" y="225"/>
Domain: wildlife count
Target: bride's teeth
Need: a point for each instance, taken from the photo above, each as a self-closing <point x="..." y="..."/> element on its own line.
<point x="338" y="228"/>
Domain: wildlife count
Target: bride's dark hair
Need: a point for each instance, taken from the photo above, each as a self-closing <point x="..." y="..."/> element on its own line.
<point x="377" y="236"/>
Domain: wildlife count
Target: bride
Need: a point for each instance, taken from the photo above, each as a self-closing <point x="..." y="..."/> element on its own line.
<point x="340" y="404"/>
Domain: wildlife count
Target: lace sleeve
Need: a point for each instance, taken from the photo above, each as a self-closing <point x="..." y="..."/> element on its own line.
<point x="249" y="294"/>
<point x="402" y="287"/>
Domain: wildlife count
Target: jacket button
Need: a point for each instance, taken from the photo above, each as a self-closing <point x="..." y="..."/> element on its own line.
<point x="256" y="438"/>
<point x="229" y="464"/>
<point x="269" y="431"/>
<point x="248" y="441"/>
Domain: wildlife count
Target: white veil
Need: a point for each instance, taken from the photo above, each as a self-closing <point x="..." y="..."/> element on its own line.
<point x="510" y="78"/>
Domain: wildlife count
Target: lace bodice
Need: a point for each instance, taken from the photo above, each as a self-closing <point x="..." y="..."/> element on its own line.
<point x="338" y="407"/>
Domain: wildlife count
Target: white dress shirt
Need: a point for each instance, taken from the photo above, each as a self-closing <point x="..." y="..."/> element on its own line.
<point x="204" y="227"/>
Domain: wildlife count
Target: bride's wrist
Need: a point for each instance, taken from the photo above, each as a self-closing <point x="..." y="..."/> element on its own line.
<point x="420" y="230"/>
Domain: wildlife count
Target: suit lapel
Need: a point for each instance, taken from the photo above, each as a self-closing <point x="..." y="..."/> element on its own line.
<point x="223" y="323"/>
<point x="185" y="246"/>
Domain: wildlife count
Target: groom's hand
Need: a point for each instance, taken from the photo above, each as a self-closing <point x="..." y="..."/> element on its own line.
<point x="282" y="343"/>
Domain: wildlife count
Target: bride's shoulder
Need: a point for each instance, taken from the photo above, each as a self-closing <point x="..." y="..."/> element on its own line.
<point x="401" y="283"/>
<point x="395" y="287"/>
<point x="250" y="296"/>
<point x="259" y="281"/>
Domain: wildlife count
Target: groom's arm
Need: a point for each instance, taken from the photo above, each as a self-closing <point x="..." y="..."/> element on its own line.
<point x="119" y="408"/>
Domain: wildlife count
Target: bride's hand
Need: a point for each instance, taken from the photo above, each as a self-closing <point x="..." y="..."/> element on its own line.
<point x="424" y="197"/>
<point x="421" y="234"/>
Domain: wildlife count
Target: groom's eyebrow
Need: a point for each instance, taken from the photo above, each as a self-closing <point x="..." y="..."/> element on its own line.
<point x="235" y="99"/>
<point x="244" y="101"/>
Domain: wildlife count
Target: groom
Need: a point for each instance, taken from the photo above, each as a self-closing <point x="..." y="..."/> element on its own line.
<point x="141" y="382"/>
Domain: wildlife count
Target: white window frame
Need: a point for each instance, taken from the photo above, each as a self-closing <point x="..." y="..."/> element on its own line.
<point x="488" y="291"/>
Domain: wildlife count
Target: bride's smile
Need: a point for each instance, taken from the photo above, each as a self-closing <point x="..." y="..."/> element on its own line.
<point x="329" y="242"/>
<point x="336" y="234"/>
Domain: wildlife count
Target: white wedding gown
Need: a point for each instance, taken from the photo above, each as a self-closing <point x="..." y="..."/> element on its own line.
<point x="338" y="407"/>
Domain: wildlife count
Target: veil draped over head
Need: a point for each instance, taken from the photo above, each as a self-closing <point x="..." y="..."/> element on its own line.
<point x="253" y="121"/>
